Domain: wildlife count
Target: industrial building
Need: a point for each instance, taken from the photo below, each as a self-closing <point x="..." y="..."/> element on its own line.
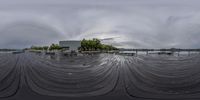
<point x="70" y="45"/>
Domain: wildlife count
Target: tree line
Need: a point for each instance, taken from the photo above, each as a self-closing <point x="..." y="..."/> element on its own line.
<point x="95" y="45"/>
<point x="86" y="45"/>
<point x="51" y="47"/>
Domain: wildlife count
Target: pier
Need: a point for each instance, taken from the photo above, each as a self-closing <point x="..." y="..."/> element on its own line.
<point x="158" y="51"/>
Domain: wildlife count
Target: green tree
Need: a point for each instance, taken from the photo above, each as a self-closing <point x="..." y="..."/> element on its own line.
<point x="84" y="45"/>
<point x="45" y="48"/>
<point x="95" y="44"/>
<point x="55" y="47"/>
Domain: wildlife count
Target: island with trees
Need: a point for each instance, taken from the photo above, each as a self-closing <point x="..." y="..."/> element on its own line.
<point x="87" y="45"/>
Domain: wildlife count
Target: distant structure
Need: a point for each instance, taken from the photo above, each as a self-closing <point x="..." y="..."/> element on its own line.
<point x="158" y="51"/>
<point x="70" y="45"/>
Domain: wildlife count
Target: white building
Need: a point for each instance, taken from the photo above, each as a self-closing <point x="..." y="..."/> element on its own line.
<point x="70" y="45"/>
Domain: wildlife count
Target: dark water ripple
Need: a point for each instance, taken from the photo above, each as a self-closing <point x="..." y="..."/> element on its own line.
<point x="147" y="77"/>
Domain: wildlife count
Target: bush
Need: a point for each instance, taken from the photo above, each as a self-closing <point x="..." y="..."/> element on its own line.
<point x="55" y="47"/>
<point x="94" y="45"/>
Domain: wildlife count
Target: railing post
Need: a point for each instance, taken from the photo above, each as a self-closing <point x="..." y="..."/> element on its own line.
<point x="136" y="52"/>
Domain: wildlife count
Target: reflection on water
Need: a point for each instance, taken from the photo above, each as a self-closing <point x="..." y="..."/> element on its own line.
<point x="57" y="56"/>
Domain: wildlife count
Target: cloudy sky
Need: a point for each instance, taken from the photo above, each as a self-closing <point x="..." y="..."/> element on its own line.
<point x="131" y="23"/>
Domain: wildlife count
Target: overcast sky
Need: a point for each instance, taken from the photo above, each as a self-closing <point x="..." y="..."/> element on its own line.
<point x="131" y="23"/>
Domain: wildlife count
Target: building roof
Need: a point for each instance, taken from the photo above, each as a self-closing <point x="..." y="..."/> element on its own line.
<point x="72" y="44"/>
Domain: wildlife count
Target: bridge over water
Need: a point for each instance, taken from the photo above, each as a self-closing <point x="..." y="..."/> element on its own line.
<point x="160" y="51"/>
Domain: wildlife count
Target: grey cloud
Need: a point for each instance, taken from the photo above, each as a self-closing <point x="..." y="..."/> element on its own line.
<point x="25" y="34"/>
<point x="138" y="23"/>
